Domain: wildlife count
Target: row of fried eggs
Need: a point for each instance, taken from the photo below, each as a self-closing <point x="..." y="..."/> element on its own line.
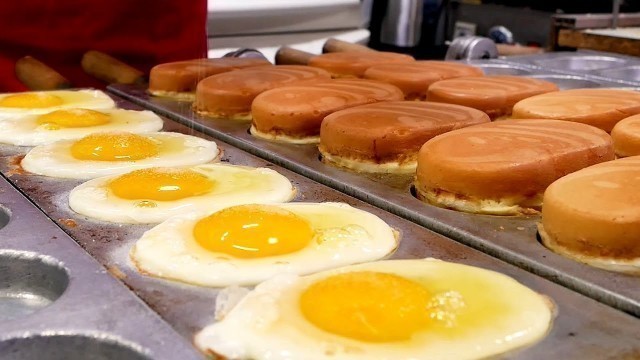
<point x="213" y="233"/>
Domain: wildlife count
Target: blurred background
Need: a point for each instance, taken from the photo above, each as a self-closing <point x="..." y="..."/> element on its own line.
<point x="423" y="28"/>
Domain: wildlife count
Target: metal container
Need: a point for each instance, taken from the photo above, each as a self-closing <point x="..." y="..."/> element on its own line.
<point x="629" y="73"/>
<point x="596" y="65"/>
<point x="564" y="81"/>
<point x="513" y="239"/>
<point x="402" y="24"/>
<point x="583" y="328"/>
<point x="579" y="63"/>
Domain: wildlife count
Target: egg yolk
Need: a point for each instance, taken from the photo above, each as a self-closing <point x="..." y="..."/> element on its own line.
<point x="31" y="101"/>
<point x="160" y="184"/>
<point x="367" y="306"/>
<point x="74" y="118"/>
<point x="253" y="231"/>
<point x="114" y="147"/>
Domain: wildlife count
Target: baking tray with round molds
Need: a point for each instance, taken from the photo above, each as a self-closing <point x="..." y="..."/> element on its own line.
<point x="627" y="73"/>
<point x="583" y="328"/>
<point x="564" y="81"/>
<point x="596" y="65"/>
<point x="513" y="239"/>
<point x="56" y="302"/>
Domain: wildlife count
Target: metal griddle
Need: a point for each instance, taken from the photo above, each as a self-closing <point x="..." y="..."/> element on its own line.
<point x="513" y="239"/>
<point x="50" y="286"/>
<point x="583" y="329"/>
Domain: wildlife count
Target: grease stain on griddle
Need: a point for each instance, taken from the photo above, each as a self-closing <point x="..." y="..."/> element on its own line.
<point x="116" y="272"/>
<point x="70" y="223"/>
<point x="14" y="166"/>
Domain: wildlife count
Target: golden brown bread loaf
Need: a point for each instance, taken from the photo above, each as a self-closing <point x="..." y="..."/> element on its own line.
<point x="179" y="79"/>
<point x="229" y="95"/>
<point x="504" y="167"/>
<point x="294" y="113"/>
<point x="601" y="108"/>
<point x="495" y="94"/>
<point x="386" y="136"/>
<point x="593" y="215"/>
<point x="414" y="78"/>
<point x="355" y="63"/>
<point x="626" y="136"/>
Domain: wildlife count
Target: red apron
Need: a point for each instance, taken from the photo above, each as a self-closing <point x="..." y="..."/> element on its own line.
<point x="142" y="33"/>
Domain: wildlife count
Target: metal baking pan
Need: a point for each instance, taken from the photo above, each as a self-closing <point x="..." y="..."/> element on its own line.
<point x="584" y="328"/>
<point x="564" y="81"/>
<point x="593" y="64"/>
<point x="575" y="61"/>
<point x="513" y="239"/>
<point x="56" y="302"/>
<point x="491" y="67"/>
<point x="627" y="73"/>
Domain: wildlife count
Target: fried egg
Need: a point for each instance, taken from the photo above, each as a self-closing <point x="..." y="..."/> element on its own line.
<point x="111" y="153"/>
<point x="246" y="244"/>
<point x="395" y="309"/>
<point x="68" y="124"/>
<point x="153" y="195"/>
<point x="42" y="102"/>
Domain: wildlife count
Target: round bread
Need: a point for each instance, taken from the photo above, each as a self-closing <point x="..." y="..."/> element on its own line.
<point x="179" y="79"/>
<point x="294" y="113"/>
<point x="503" y="167"/>
<point x="626" y="136"/>
<point x="593" y="215"/>
<point x="494" y="94"/>
<point x="354" y="64"/>
<point x="386" y="136"/>
<point x="414" y="78"/>
<point x="602" y="108"/>
<point x="229" y="95"/>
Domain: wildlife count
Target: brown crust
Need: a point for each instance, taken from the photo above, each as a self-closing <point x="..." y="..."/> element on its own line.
<point x="414" y="78"/>
<point x="626" y="136"/>
<point x="632" y="266"/>
<point x="601" y="108"/>
<point x="391" y="131"/>
<point x="460" y="202"/>
<point x="354" y="64"/>
<point x="496" y="94"/>
<point x="595" y="212"/>
<point x="233" y="92"/>
<point x="183" y="76"/>
<point x="473" y="161"/>
<point x="400" y="159"/>
<point x="297" y="111"/>
<point x="242" y="116"/>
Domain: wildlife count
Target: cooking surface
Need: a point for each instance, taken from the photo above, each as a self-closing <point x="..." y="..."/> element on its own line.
<point x="512" y="239"/>
<point x="583" y="329"/>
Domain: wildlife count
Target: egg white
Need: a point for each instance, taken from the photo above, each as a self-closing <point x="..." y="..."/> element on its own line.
<point x="25" y="130"/>
<point x="344" y="235"/>
<point x="267" y="323"/>
<point x="233" y="185"/>
<point x="86" y="99"/>
<point x="55" y="160"/>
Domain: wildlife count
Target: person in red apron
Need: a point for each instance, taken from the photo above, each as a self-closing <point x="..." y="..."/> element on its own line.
<point x="142" y="33"/>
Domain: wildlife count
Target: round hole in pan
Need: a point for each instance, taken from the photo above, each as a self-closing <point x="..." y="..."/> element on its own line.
<point x="29" y="282"/>
<point x="5" y="216"/>
<point x="69" y="347"/>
